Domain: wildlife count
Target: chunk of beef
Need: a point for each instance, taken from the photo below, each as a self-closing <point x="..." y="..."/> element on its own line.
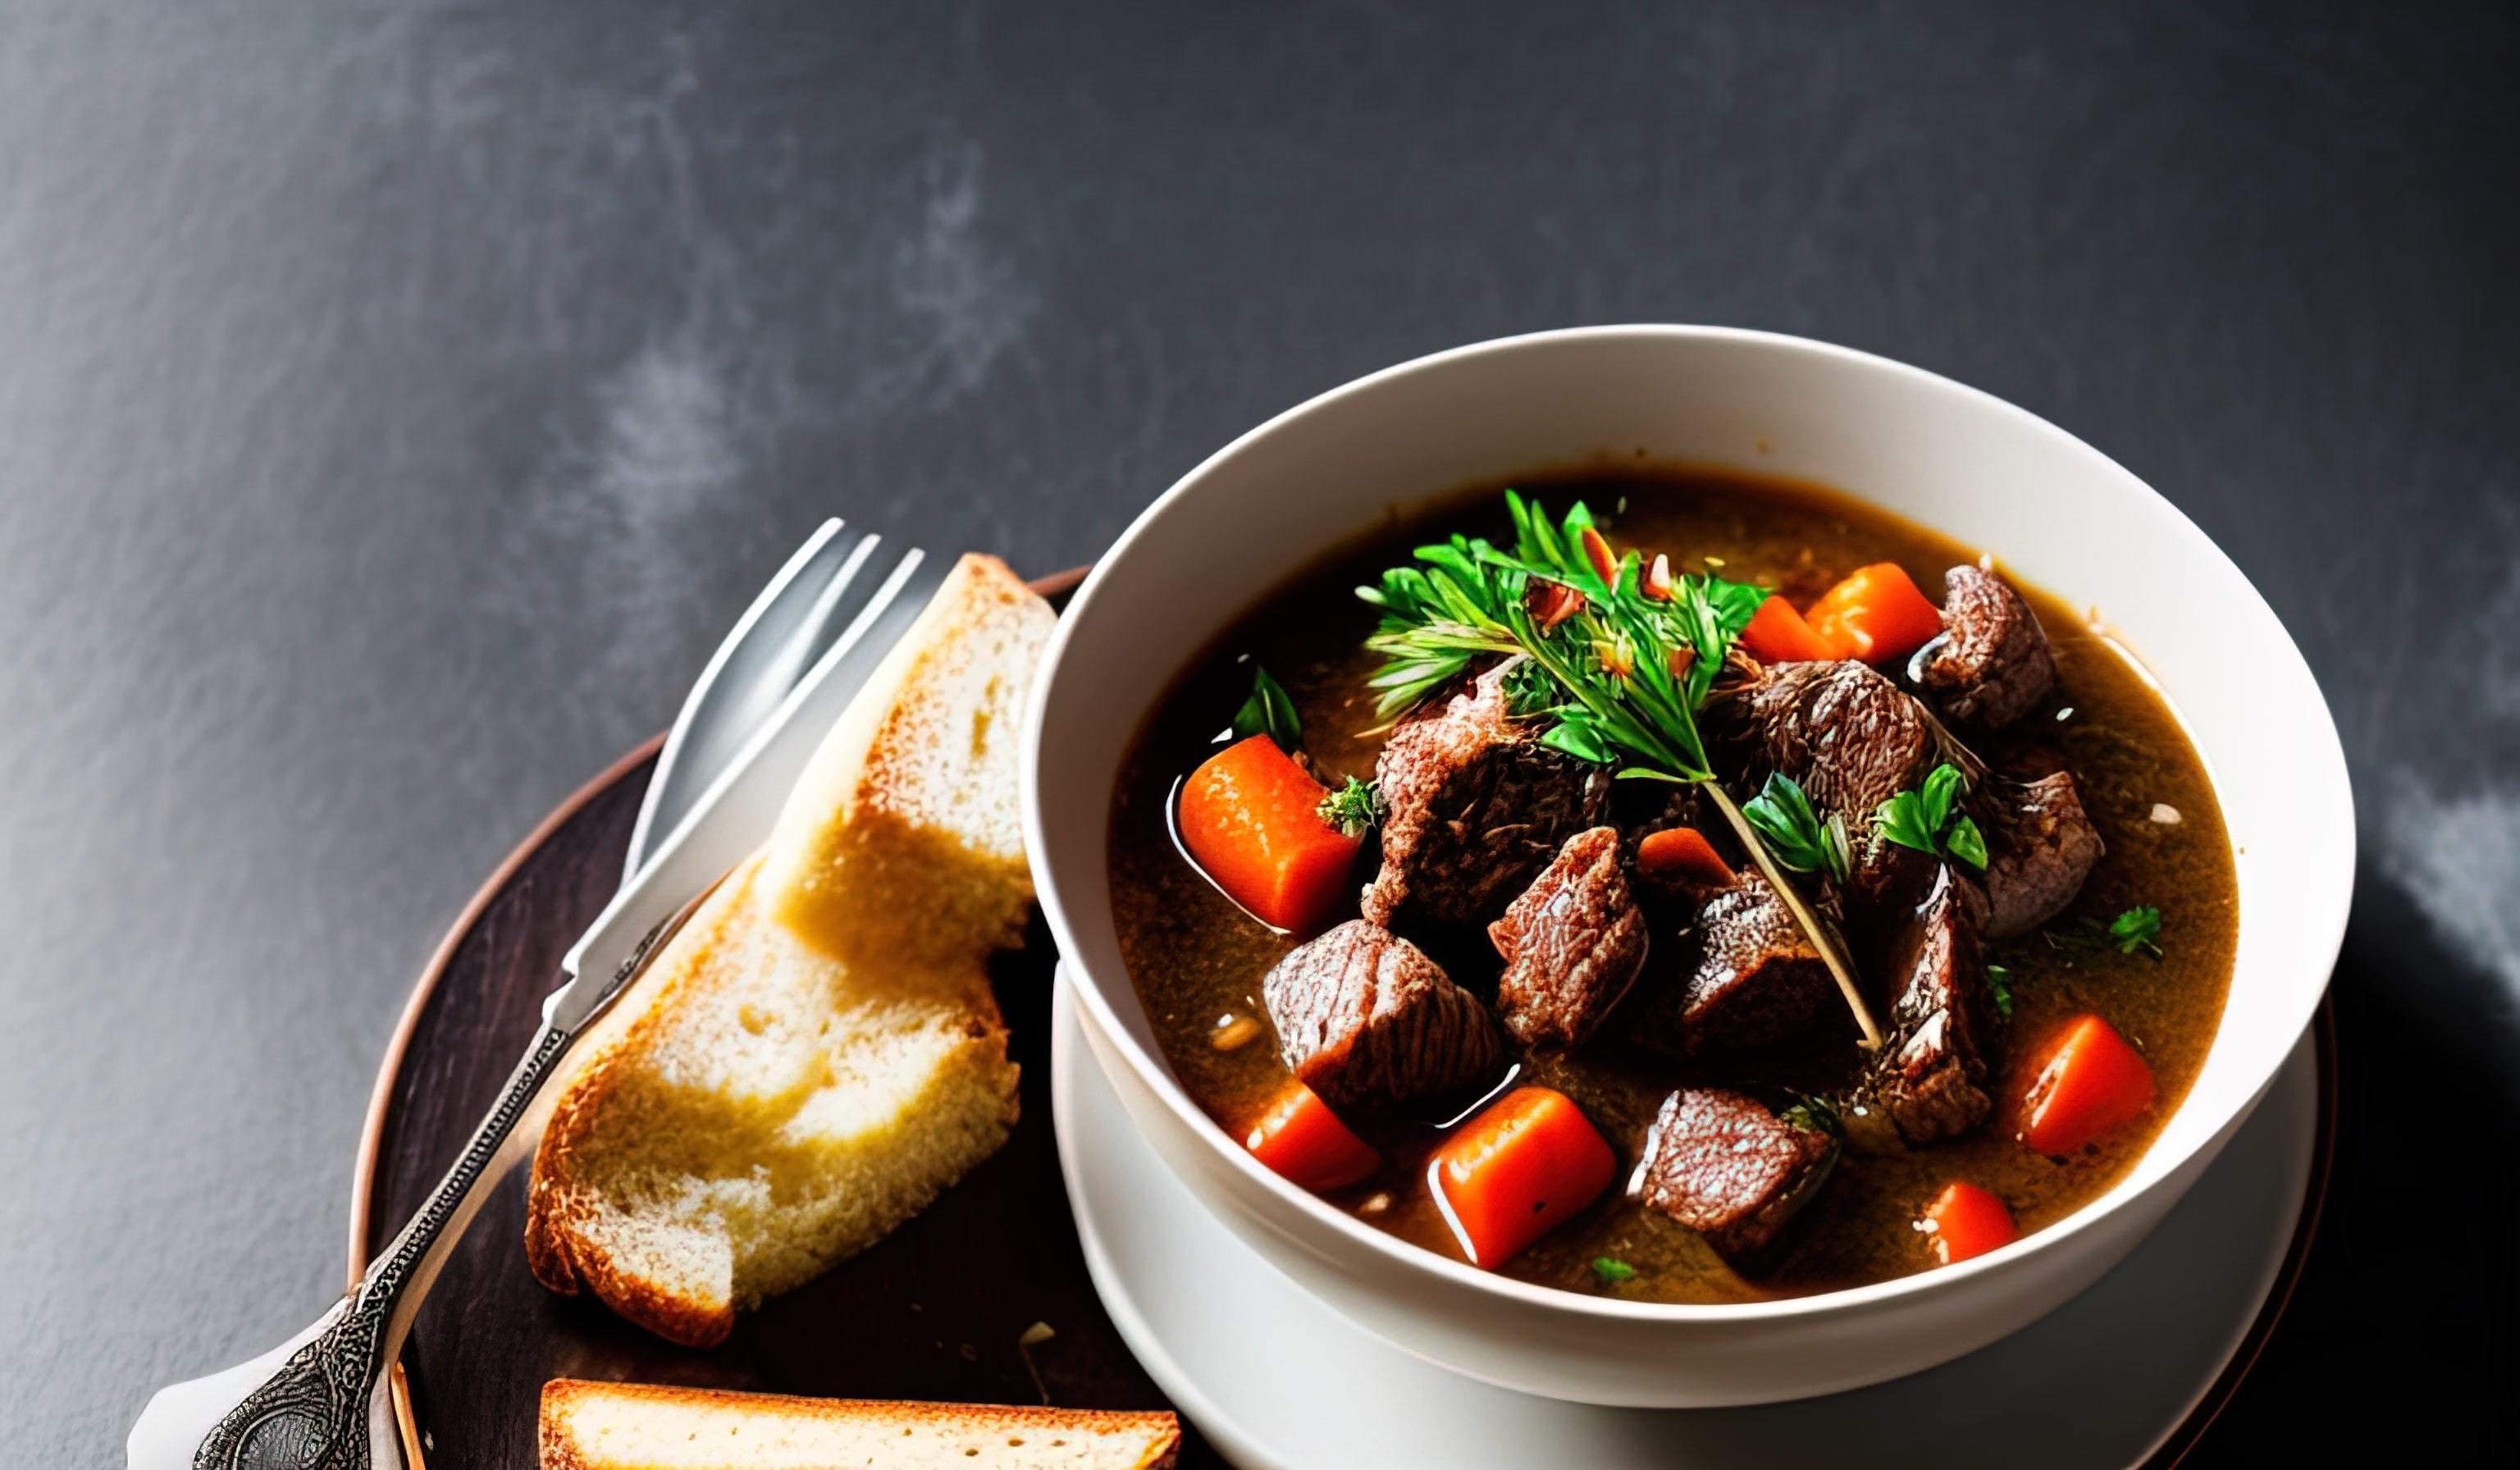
<point x="1363" y="1017"/>
<point x="1889" y="886"/>
<point x="1477" y="807"/>
<point x="1754" y="980"/>
<point x="1851" y="738"/>
<point x="1725" y="1166"/>
<point x="1572" y="944"/>
<point x="2023" y="758"/>
<point x="1992" y="664"/>
<point x="1737" y="979"/>
<point x="2041" y="846"/>
<point x="1932" y="1071"/>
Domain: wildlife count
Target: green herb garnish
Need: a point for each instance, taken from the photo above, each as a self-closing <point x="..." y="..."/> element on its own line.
<point x="1354" y="808"/>
<point x="1800" y="839"/>
<point x="1620" y="674"/>
<point x="1617" y="673"/>
<point x="1814" y="1114"/>
<point x="1930" y="820"/>
<point x="1964" y="842"/>
<point x="1269" y="712"/>
<point x="2136" y="929"/>
<point x="1529" y="692"/>
<point x="1999" y="983"/>
<point x="1612" y="1271"/>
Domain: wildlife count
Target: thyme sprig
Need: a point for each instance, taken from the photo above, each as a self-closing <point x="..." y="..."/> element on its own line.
<point x="1618" y="663"/>
<point x="1625" y="671"/>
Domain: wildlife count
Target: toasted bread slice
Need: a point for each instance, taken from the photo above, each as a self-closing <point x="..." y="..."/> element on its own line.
<point x="765" y="1103"/>
<point x="903" y="843"/>
<point x="620" y="1426"/>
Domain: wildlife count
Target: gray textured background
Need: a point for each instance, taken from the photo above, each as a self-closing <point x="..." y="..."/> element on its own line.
<point x="395" y="405"/>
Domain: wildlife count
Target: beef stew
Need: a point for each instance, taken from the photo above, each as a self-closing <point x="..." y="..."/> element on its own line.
<point x="1687" y="829"/>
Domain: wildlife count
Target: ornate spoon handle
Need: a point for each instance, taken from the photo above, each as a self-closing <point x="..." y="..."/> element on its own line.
<point x="312" y="1414"/>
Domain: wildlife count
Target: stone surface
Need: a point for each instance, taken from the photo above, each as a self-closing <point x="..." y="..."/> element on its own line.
<point x="397" y="402"/>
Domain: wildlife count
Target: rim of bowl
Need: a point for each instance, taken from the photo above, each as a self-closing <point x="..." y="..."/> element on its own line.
<point x="1407" y="1254"/>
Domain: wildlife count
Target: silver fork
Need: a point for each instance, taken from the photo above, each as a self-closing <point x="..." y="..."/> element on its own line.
<point x="769" y="693"/>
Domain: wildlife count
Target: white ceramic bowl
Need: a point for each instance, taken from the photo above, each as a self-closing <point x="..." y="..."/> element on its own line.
<point x="2058" y="513"/>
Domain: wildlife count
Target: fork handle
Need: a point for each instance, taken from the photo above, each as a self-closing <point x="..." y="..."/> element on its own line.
<point x="413" y="1259"/>
<point x="313" y="1413"/>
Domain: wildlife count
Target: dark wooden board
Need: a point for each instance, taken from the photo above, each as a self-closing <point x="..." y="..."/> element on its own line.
<point x="935" y="1310"/>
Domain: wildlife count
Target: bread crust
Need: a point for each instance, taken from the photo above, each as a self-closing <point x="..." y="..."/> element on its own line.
<point x="558" y="1207"/>
<point x="559" y="1451"/>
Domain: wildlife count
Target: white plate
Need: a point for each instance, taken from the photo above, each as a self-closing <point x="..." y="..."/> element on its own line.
<point x="1273" y="1377"/>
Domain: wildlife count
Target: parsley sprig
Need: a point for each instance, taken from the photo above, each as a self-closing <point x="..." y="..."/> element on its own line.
<point x="2136" y="929"/>
<point x="1617" y="670"/>
<point x="1930" y="820"/>
<point x="1354" y="808"/>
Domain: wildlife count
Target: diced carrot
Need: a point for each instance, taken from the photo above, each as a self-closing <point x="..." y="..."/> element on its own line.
<point x="1777" y="633"/>
<point x="1516" y="1172"/>
<point x="2092" y="1081"/>
<point x="1301" y="1139"/>
<point x="1967" y="1222"/>
<point x="1251" y="818"/>
<point x="1875" y="614"/>
<point x="1682" y="853"/>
